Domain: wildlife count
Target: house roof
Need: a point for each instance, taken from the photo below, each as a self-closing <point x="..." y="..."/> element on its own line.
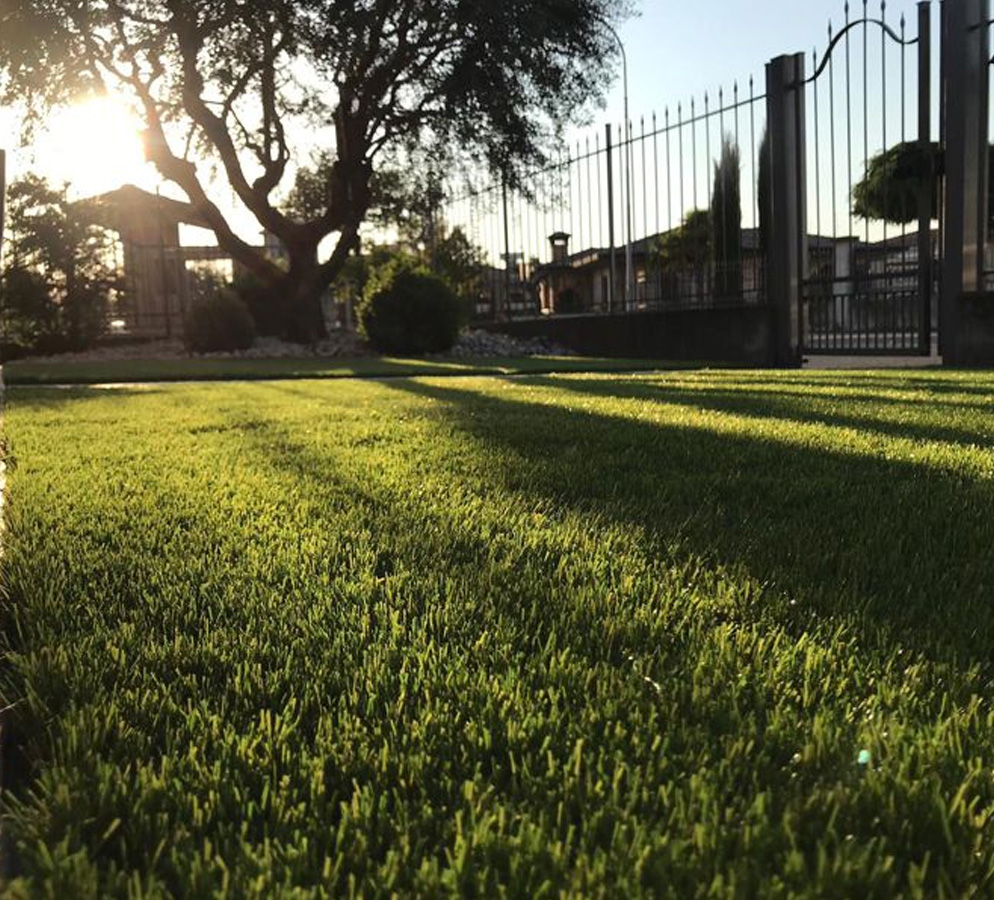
<point x="111" y="209"/>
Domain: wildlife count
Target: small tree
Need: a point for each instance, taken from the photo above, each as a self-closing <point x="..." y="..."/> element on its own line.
<point x="460" y="263"/>
<point x="54" y="249"/>
<point x="726" y="221"/>
<point x="894" y="180"/>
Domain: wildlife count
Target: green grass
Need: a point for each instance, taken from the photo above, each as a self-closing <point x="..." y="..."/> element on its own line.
<point x="674" y="635"/>
<point x="38" y="372"/>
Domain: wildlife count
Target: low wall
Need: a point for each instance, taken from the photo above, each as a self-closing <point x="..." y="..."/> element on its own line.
<point x="974" y="345"/>
<point x="741" y="335"/>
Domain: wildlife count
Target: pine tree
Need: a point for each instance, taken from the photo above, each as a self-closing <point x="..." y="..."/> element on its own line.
<point x="726" y="222"/>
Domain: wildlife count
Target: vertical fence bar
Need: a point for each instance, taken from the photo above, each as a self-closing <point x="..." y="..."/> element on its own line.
<point x="904" y="137"/>
<point x="655" y="166"/>
<point x="693" y="146"/>
<point x="613" y="279"/>
<point x="926" y="190"/>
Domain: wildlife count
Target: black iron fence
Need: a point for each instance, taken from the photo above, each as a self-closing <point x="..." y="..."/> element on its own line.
<point x="873" y="234"/>
<point x="682" y="210"/>
<point x="662" y="213"/>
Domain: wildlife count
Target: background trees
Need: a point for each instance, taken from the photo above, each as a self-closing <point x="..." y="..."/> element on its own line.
<point x="60" y="276"/>
<point x="255" y="89"/>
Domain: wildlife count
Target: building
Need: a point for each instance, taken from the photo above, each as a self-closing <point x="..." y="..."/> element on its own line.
<point x="158" y="269"/>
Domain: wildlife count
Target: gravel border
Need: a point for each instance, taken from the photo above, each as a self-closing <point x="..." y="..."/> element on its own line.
<point x="472" y="343"/>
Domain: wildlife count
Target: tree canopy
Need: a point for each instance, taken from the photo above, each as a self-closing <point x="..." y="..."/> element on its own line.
<point x="255" y="90"/>
<point x="890" y="188"/>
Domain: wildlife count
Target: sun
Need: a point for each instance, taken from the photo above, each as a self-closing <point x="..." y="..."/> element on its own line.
<point x="94" y="147"/>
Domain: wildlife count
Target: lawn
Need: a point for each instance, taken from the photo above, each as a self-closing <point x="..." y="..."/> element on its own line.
<point x="676" y="635"/>
<point x="125" y="371"/>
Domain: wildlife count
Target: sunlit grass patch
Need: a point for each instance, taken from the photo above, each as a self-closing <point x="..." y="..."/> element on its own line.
<point x="686" y="634"/>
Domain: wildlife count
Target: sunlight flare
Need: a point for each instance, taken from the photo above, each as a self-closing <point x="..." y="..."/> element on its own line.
<point x="94" y="146"/>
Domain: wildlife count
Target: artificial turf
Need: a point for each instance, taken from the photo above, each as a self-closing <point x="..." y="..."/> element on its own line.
<point x="676" y="635"/>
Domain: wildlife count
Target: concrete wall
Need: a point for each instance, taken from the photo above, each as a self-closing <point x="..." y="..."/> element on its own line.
<point x="742" y="335"/>
<point x="973" y="344"/>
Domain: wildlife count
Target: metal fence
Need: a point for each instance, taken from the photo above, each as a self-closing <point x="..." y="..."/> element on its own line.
<point x="636" y="218"/>
<point x="623" y="220"/>
<point x="873" y="231"/>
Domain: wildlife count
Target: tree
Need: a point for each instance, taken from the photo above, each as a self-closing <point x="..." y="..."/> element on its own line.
<point x="684" y="251"/>
<point x="894" y="179"/>
<point x="726" y="221"/>
<point x="764" y="193"/>
<point x="249" y="87"/>
<point x="60" y="276"/>
<point x="460" y="263"/>
<point x="689" y="246"/>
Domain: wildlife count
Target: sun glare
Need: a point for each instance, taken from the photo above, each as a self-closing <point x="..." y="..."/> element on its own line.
<point x="94" y="146"/>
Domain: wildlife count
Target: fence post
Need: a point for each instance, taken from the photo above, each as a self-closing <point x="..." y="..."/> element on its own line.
<point x="966" y="58"/>
<point x="613" y="276"/>
<point x="788" y="240"/>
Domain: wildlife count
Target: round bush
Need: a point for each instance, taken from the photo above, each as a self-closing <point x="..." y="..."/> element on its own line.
<point x="218" y="323"/>
<point x="411" y="312"/>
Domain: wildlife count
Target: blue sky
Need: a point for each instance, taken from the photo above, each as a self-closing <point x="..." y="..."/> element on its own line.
<point x="680" y="48"/>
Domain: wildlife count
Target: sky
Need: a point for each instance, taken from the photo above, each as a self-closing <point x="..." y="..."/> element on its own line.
<point x="681" y="48"/>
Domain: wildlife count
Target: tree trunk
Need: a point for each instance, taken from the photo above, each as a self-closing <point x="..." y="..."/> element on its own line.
<point x="303" y="314"/>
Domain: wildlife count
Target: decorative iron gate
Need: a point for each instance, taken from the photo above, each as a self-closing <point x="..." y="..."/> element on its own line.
<point x="871" y="261"/>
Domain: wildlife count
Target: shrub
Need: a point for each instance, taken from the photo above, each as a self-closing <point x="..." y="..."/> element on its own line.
<point x="218" y="323"/>
<point x="267" y="313"/>
<point x="406" y="310"/>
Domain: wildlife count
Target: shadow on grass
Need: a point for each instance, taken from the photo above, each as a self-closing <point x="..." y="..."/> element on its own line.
<point x="874" y="541"/>
<point x="797" y="405"/>
<point x="37" y="399"/>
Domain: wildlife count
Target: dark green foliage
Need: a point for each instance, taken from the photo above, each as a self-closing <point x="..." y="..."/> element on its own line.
<point x="262" y="302"/>
<point x="219" y="322"/>
<point x="406" y="310"/>
<point x="60" y="280"/>
<point x="890" y="189"/>
<point x="460" y="263"/>
<point x="568" y="301"/>
<point x="689" y="246"/>
<point x="726" y="221"/>
<point x="30" y="313"/>
<point x="764" y="192"/>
